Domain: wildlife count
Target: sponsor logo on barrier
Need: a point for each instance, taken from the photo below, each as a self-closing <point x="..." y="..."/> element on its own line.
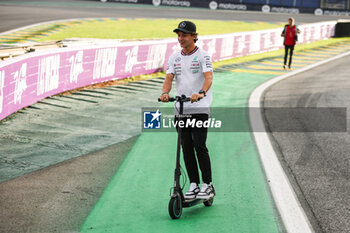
<point x="227" y="47"/>
<point x="316" y="33"/>
<point x="254" y="42"/>
<point x="104" y="64"/>
<point x="336" y="13"/>
<point x="131" y="58"/>
<point x="152" y="120"/>
<point x="285" y="10"/>
<point x="156" y="56"/>
<point x="20" y="77"/>
<point x="240" y="40"/>
<point x="231" y="6"/>
<point x="2" y="84"/>
<point x="156" y="2"/>
<point x="76" y="67"/>
<point x="266" y="8"/>
<point x="175" y="48"/>
<point x="176" y="3"/>
<point x="48" y="74"/>
<point x="126" y="1"/>
<point x="313" y="34"/>
<point x="211" y="47"/>
<point x="318" y="11"/>
<point x="200" y="44"/>
<point x="213" y="5"/>
<point x="324" y="31"/>
<point x="307" y="34"/>
<point x="267" y="42"/>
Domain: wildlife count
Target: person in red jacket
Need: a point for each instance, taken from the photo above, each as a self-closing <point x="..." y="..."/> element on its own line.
<point x="290" y="34"/>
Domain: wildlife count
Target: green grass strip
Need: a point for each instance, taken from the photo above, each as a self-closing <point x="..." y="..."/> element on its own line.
<point x="152" y="28"/>
<point x="137" y="198"/>
<point x="114" y="28"/>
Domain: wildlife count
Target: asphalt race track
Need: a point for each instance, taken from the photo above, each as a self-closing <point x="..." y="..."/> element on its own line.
<point x="317" y="163"/>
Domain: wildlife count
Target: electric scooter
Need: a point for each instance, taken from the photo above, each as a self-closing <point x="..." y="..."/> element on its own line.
<point x="177" y="200"/>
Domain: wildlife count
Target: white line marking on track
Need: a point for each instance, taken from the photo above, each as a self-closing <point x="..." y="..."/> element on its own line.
<point x="288" y="205"/>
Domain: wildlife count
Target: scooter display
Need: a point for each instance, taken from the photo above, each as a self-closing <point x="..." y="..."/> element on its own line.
<point x="177" y="200"/>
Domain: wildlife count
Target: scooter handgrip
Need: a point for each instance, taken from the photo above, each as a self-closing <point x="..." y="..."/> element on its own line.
<point x="171" y="99"/>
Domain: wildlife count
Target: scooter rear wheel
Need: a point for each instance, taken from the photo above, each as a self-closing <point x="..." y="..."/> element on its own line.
<point x="175" y="207"/>
<point x="209" y="202"/>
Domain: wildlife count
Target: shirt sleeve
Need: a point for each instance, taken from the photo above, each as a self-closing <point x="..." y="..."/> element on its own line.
<point x="170" y="68"/>
<point x="206" y="63"/>
<point x="284" y="30"/>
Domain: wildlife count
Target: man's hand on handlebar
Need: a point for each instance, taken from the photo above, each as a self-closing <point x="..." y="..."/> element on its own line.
<point x="196" y="97"/>
<point x="164" y="97"/>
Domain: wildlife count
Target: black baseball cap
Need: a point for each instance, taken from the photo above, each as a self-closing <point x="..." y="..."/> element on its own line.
<point x="186" y="27"/>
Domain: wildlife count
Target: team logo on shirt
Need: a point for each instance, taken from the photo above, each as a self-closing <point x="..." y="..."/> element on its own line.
<point x="177" y="69"/>
<point x="178" y="59"/>
<point x="208" y="63"/>
<point x="195" y="66"/>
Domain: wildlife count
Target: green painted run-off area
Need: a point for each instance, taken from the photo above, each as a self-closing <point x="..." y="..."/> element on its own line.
<point x="137" y="198"/>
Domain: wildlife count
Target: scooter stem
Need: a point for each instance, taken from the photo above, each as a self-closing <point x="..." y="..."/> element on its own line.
<point x="177" y="187"/>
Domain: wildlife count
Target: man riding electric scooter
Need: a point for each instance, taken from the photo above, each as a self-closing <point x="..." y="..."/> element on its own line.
<point x="192" y="68"/>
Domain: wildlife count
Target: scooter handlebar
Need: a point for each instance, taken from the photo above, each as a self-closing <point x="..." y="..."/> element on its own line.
<point x="182" y="98"/>
<point x="171" y="99"/>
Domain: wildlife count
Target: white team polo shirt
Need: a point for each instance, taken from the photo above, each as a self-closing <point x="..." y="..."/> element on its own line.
<point x="188" y="70"/>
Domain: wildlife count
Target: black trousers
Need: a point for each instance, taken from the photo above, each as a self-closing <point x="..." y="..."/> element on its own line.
<point x="195" y="151"/>
<point x="291" y="49"/>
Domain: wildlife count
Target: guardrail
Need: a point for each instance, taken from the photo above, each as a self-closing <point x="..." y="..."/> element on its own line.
<point x="31" y="77"/>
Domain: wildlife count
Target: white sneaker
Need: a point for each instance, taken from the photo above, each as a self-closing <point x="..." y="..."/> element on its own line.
<point x="192" y="191"/>
<point x="207" y="191"/>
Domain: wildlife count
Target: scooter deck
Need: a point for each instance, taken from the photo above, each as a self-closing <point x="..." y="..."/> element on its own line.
<point x="195" y="201"/>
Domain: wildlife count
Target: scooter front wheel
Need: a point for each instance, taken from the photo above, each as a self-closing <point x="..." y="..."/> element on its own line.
<point x="175" y="207"/>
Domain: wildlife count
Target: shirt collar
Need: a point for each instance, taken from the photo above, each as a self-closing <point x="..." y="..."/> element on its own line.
<point x="190" y="53"/>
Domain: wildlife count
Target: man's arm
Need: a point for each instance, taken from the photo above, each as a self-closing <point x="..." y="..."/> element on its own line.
<point x="167" y="87"/>
<point x="283" y="32"/>
<point x="208" y="80"/>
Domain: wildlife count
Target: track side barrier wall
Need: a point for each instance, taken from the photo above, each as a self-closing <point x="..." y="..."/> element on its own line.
<point x="29" y="78"/>
<point x="317" y="7"/>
